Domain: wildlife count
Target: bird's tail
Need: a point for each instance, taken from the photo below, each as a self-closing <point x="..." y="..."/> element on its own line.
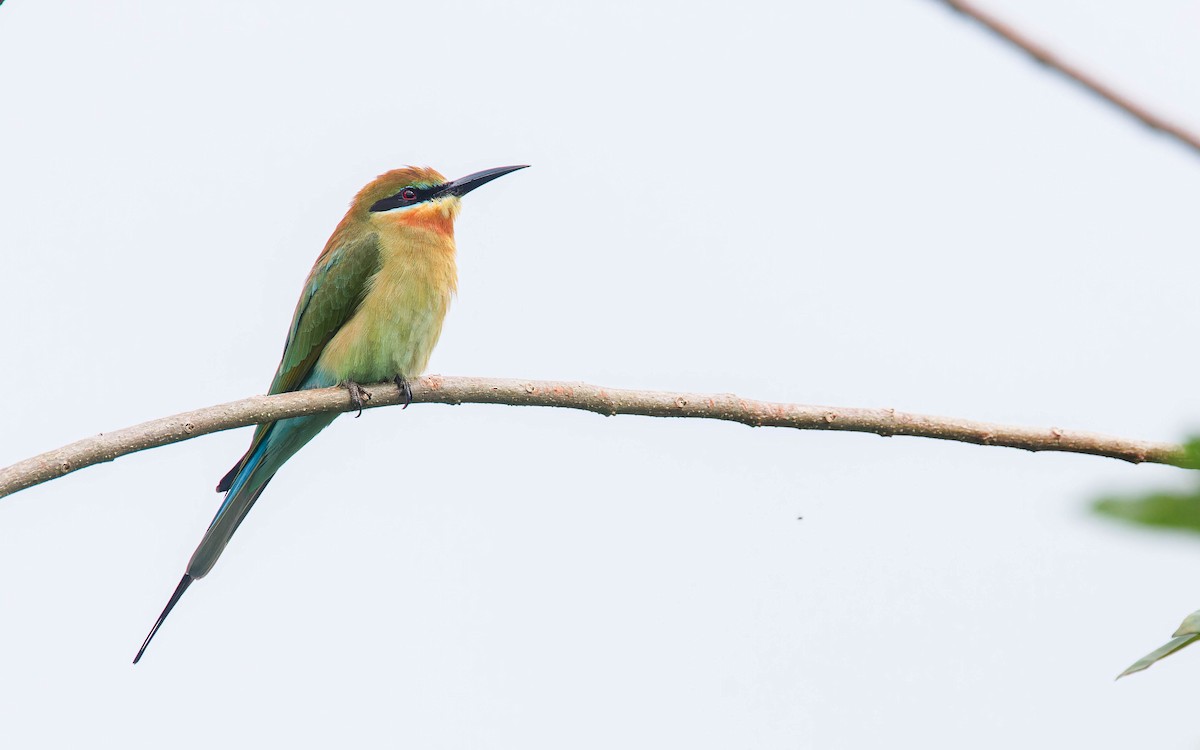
<point x="182" y="587"/>
<point x="280" y="442"/>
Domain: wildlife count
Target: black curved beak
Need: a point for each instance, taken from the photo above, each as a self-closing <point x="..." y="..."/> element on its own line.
<point x="464" y="185"/>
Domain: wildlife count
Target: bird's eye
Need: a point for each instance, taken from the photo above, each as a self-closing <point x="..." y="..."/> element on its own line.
<point x="408" y="194"/>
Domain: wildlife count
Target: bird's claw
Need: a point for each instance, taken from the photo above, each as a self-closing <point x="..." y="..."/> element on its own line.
<point x="405" y="390"/>
<point x="357" y="396"/>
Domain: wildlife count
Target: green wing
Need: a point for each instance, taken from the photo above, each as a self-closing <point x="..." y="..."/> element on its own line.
<point x="334" y="290"/>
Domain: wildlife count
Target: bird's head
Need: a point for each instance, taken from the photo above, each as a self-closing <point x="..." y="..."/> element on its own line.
<point x="419" y="197"/>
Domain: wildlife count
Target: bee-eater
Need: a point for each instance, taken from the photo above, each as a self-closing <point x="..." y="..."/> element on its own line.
<point x="371" y="310"/>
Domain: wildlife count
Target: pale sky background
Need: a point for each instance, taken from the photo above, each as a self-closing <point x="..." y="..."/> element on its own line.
<point x="850" y="203"/>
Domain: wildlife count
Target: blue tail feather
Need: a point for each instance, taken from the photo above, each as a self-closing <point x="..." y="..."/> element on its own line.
<point x="251" y="477"/>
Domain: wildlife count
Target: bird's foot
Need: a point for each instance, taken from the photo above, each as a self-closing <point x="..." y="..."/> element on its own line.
<point x="405" y="390"/>
<point x="357" y="396"/>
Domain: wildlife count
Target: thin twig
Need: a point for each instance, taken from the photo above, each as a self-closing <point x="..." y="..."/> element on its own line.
<point x="607" y="401"/>
<point x="1052" y="61"/>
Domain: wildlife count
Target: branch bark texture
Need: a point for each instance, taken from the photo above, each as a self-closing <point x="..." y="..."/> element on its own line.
<point x="607" y="401"/>
<point x="1044" y="56"/>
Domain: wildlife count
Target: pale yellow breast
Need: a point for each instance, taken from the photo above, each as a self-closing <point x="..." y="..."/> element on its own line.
<point x="399" y="322"/>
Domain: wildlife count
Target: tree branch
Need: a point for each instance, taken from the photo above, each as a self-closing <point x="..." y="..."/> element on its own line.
<point x="606" y="401"/>
<point x="1052" y="61"/>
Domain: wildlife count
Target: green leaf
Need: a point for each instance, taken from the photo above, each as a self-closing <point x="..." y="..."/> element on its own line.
<point x="1187" y="634"/>
<point x="1167" y="510"/>
<point x="1164" y="510"/>
<point x="1191" y="453"/>
<point x="1190" y="626"/>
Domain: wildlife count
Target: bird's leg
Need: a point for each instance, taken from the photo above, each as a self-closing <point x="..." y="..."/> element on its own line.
<point x="405" y="389"/>
<point x="357" y="396"/>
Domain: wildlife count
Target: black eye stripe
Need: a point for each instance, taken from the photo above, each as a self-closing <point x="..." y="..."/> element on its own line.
<point x="407" y="196"/>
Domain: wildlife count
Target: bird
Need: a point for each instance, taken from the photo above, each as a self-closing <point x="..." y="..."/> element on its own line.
<point x="371" y="310"/>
